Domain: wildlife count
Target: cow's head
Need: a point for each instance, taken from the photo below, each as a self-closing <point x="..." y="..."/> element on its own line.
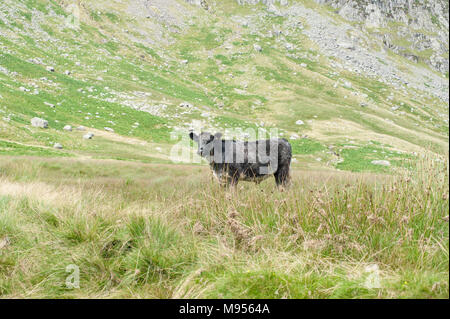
<point x="205" y="141"/>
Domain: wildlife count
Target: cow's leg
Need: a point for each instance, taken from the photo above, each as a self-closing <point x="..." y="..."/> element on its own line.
<point x="229" y="184"/>
<point x="229" y="178"/>
<point x="282" y="177"/>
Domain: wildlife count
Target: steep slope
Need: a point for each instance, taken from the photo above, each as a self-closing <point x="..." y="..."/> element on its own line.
<point x="147" y="71"/>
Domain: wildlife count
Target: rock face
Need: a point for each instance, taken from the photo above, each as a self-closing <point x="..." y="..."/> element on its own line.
<point x="38" y="122"/>
<point x="423" y="24"/>
<point x="351" y="45"/>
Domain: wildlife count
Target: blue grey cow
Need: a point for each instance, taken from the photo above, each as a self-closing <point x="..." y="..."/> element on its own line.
<point x="232" y="161"/>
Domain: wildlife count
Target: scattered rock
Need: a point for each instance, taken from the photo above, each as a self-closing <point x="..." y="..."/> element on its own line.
<point x="58" y="146"/>
<point x="220" y="104"/>
<point x="300" y="122"/>
<point x="38" y="122"/>
<point x="198" y="228"/>
<point x="5" y="242"/>
<point x="185" y="104"/>
<point x="50" y="69"/>
<point x="81" y="128"/>
<point x="67" y="128"/>
<point x="346" y="45"/>
<point x="109" y="129"/>
<point x="381" y="162"/>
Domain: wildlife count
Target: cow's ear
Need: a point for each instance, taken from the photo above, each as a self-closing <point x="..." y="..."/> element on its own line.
<point x="193" y="136"/>
<point x="217" y="136"/>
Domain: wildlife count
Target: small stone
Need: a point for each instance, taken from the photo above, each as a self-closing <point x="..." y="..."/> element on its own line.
<point x="257" y="47"/>
<point x="67" y="128"/>
<point x="50" y="69"/>
<point x="346" y="45"/>
<point x="300" y="122"/>
<point x="88" y="136"/>
<point x="81" y="128"/>
<point x="58" y="146"/>
<point x="109" y="129"/>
